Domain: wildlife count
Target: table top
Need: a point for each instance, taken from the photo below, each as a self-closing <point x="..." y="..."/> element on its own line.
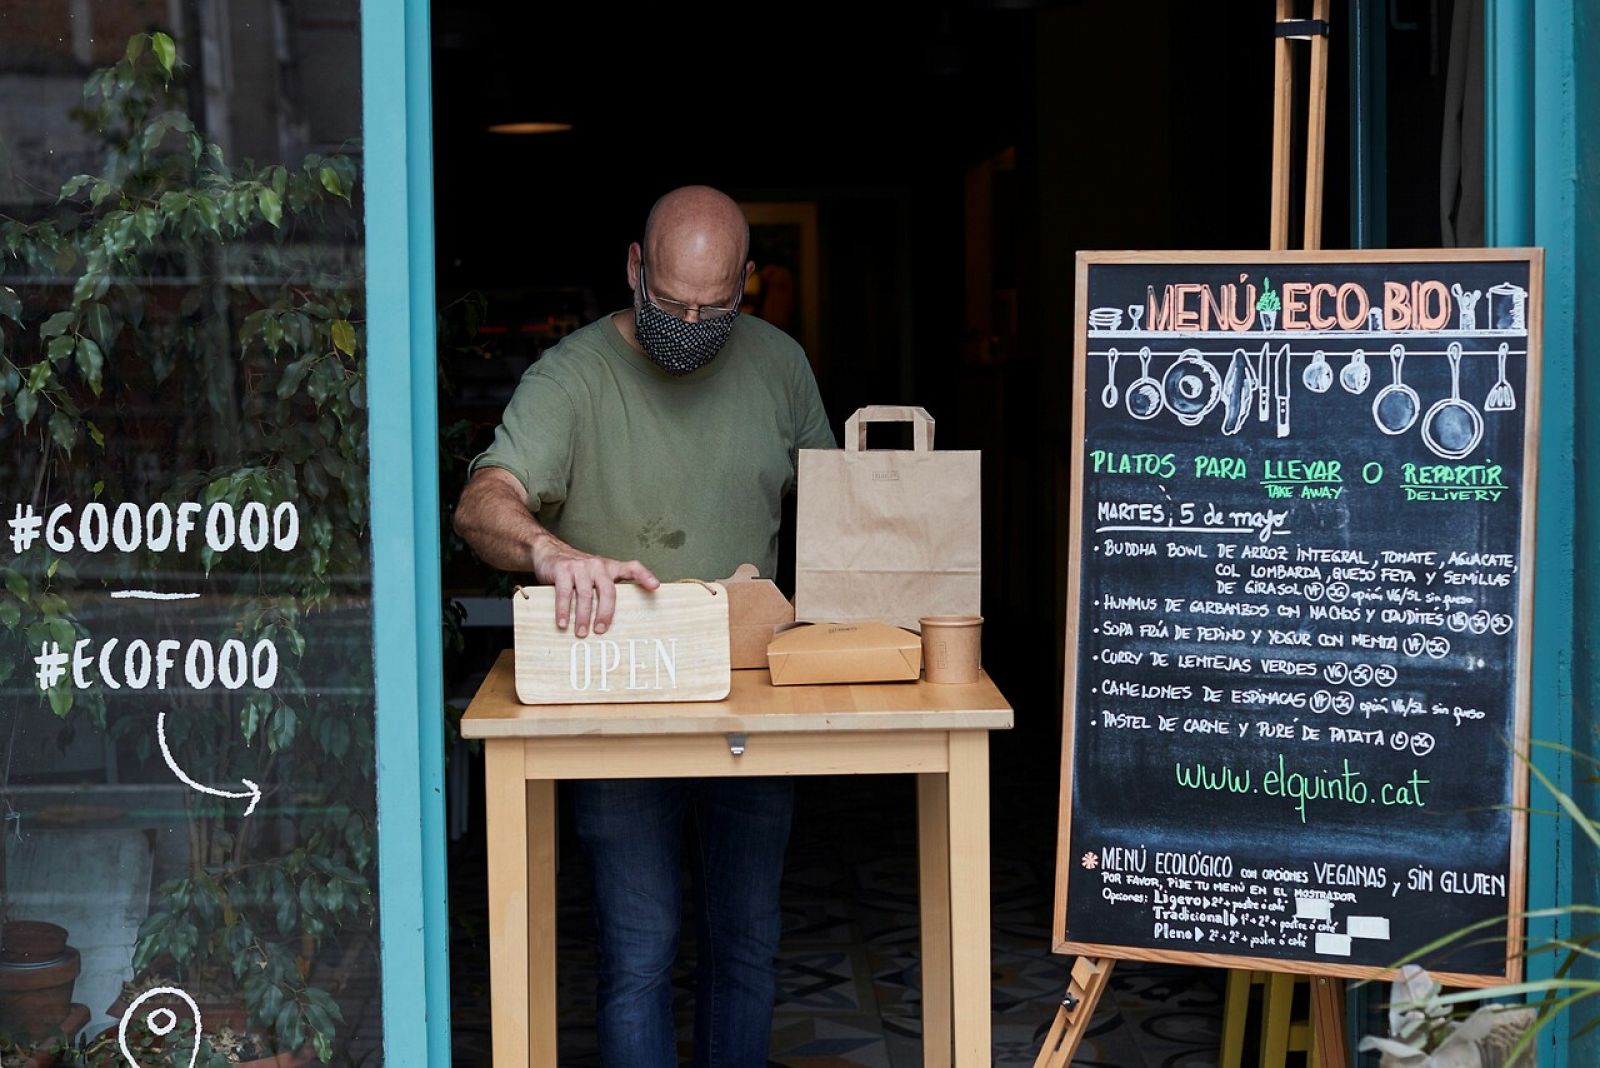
<point x="753" y="705"/>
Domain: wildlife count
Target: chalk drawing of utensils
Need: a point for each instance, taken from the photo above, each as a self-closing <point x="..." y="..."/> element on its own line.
<point x="1144" y="396"/>
<point x="1396" y="407"/>
<point x="1318" y="375"/>
<point x="1467" y="305"/>
<point x="1108" y="396"/>
<point x="1263" y="387"/>
<point x="1105" y="318"/>
<point x="1452" y="428"/>
<point x="1280" y="385"/>
<point x="1238" y="386"/>
<point x="1356" y="374"/>
<point x="1191" y="387"/>
<point x="1502" y="398"/>
<point x="1135" y="313"/>
<point x="1508" y="307"/>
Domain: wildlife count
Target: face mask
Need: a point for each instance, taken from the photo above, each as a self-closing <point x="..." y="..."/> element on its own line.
<point x="677" y="345"/>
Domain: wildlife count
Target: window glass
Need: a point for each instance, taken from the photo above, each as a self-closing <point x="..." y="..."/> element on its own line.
<point x="186" y="728"/>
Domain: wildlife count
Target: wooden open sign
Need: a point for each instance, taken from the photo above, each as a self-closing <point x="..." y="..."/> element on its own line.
<point x="670" y="644"/>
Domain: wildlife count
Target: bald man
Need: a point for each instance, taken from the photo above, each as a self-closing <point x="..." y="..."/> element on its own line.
<point x="653" y="445"/>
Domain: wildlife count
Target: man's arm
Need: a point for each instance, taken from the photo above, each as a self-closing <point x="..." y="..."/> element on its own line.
<point x="493" y="518"/>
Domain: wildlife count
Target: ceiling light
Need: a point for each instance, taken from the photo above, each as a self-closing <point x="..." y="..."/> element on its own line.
<point x="530" y="127"/>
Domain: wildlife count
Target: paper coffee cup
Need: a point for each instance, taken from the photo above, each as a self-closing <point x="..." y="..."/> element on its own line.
<point x="951" y="648"/>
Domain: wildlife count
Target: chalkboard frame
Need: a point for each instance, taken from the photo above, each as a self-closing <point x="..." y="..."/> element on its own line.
<point x="1533" y="258"/>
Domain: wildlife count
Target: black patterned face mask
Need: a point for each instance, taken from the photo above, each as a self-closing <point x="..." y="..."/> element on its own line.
<point x="677" y="345"/>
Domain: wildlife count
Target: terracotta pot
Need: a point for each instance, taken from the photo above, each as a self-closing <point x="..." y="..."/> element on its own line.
<point x="31" y="941"/>
<point x="35" y="998"/>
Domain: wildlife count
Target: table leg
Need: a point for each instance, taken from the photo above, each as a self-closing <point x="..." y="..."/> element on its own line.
<point x="933" y="861"/>
<point x="542" y="921"/>
<point x="969" y="896"/>
<point x="506" y="823"/>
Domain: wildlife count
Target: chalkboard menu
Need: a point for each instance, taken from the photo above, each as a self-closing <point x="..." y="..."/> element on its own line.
<point x="1299" y="608"/>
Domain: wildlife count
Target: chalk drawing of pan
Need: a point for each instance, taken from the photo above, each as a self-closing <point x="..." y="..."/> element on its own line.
<point x="1453" y="427"/>
<point x="1144" y="396"/>
<point x="1396" y="407"/>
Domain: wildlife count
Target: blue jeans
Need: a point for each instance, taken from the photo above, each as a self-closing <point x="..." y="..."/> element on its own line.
<point x="632" y="830"/>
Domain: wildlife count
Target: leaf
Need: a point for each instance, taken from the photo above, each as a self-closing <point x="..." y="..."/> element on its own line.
<point x="61" y="347"/>
<point x="27" y="403"/>
<point x="38" y="375"/>
<point x="166" y="52"/>
<point x="136" y="45"/>
<point x="10" y="304"/>
<point x="99" y="324"/>
<point x="344" y="337"/>
<point x="330" y="180"/>
<point x="271" y="206"/>
<point x="64" y="430"/>
<point x="91" y="361"/>
<point x="73" y="184"/>
<point x="61" y="700"/>
<point x="57" y="324"/>
<point x="149" y="222"/>
<point x="293" y="375"/>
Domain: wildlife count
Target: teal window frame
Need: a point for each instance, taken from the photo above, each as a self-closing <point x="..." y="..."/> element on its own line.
<point x="397" y="131"/>
<point x="1532" y="197"/>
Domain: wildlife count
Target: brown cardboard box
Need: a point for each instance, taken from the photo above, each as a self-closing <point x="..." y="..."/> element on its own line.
<point x="756" y="610"/>
<point x="844" y="652"/>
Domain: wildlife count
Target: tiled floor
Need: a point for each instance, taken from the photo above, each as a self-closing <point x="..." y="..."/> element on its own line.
<point x="848" y="986"/>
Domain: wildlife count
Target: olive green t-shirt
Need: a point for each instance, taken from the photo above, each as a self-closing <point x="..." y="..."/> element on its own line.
<point x="686" y="474"/>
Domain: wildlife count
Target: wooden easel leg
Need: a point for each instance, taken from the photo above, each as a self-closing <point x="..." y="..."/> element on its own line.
<point x="1316" y="129"/>
<point x="1282" y="100"/>
<point x="1088" y="982"/>
<point x="1327" y="1022"/>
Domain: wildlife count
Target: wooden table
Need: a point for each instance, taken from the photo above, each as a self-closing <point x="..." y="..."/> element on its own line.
<point x="937" y="733"/>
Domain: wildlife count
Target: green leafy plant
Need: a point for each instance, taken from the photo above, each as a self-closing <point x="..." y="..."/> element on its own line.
<point x="1423" y="1018"/>
<point x="210" y="314"/>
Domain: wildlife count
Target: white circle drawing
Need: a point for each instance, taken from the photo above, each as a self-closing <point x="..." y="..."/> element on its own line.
<point x="168" y="1020"/>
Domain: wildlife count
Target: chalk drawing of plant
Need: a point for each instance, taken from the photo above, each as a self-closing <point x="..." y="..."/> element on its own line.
<point x="1268" y="304"/>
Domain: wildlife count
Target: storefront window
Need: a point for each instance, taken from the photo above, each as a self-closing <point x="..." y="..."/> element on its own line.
<point x="187" y="772"/>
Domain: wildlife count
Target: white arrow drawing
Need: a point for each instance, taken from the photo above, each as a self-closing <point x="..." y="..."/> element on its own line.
<point x="253" y="793"/>
<point x="162" y="1020"/>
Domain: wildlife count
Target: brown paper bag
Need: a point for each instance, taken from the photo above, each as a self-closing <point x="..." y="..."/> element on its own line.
<point x="887" y="534"/>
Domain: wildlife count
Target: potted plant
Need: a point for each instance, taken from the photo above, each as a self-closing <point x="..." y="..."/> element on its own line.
<point x="218" y="289"/>
<point x="1268" y="305"/>
<point x="1432" y="1029"/>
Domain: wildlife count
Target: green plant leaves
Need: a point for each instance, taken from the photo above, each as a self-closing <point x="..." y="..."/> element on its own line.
<point x="91" y="361"/>
<point x="344" y="337"/>
<point x="10" y="304"/>
<point x="58" y="324"/>
<point x="165" y="51"/>
<point x="271" y="205"/>
<point x="330" y="180"/>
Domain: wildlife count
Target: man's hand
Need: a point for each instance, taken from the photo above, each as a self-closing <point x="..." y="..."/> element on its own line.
<point x="585" y="584"/>
<point x="493" y="518"/>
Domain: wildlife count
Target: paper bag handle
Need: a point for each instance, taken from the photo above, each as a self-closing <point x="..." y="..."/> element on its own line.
<point x="855" y="428"/>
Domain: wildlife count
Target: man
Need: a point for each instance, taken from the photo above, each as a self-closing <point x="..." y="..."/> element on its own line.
<point x="658" y="444"/>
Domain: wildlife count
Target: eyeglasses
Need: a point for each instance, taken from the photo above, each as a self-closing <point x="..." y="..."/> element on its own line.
<point x="679" y="310"/>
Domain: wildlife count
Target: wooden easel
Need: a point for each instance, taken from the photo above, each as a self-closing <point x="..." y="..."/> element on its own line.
<point x="1090" y="974"/>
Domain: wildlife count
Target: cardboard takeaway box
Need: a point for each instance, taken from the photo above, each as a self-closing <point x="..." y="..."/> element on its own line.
<point x="757" y="610"/>
<point x="844" y="652"/>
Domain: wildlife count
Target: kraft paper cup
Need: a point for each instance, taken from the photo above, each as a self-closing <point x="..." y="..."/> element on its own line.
<point x="951" y="647"/>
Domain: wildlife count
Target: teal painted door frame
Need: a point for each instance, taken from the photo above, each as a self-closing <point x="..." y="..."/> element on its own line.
<point x="1532" y="197"/>
<point x="403" y="431"/>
